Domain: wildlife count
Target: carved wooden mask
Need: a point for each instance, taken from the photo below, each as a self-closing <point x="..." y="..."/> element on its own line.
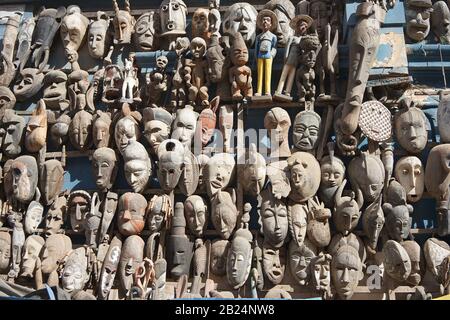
<point x="36" y="133"/>
<point x="131" y="213"/>
<point x="138" y="166"/>
<point x="25" y="176"/>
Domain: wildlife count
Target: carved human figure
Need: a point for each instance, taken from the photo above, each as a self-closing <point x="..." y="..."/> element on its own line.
<point x="410" y="173"/>
<point x="101" y="129"/>
<point x="219" y="250"/>
<point x="29" y="82"/>
<point x="418" y="14"/>
<point x="172" y="22"/>
<point x="274" y="263"/>
<point x="196" y="73"/>
<point x="196" y="214"/>
<point x="54" y="219"/>
<point x="109" y="268"/>
<point x="73" y="28"/>
<point x="184" y="126"/>
<point x="5" y="251"/>
<point x="32" y="248"/>
<point x="300" y="257"/>
<point x="138" y="166"/>
<point x="179" y="249"/>
<point x="157" y="83"/>
<point x="219" y="172"/>
<point x="159" y="211"/>
<point x="254" y="173"/>
<point x="80" y="130"/>
<point x="25" y="39"/>
<point x="98" y="36"/>
<point x="346" y="143"/>
<point x="24" y="180"/>
<point x="55" y="92"/>
<point x="440" y="19"/>
<point x="104" y="164"/>
<point x="304" y="176"/>
<point x="308" y="49"/>
<point x="306" y="130"/>
<point x="224" y="213"/>
<point x="123" y="23"/>
<point x="216" y="59"/>
<point x="171" y="163"/>
<point x="239" y="258"/>
<point x="157" y="124"/>
<point x="346" y="271"/>
<point x="131" y="256"/>
<point x="33" y="217"/>
<point x="240" y="75"/>
<point x="56" y="247"/>
<point x="240" y="18"/>
<point x="144" y="32"/>
<point x="200" y="24"/>
<point x="278" y="122"/>
<point x="437" y="177"/>
<point x="410" y="126"/>
<point x="179" y="92"/>
<point x="75" y="274"/>
<point x="132" y="208"/>
<point x="396" y="261"/>
<point x="364" y="43"/>
<point x="78" y="206"/>
<point x="332" y="175"/>
<point x="366" y="174"/>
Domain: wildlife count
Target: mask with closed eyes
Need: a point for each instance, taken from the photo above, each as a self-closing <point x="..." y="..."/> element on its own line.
<point x="274" y="216"/>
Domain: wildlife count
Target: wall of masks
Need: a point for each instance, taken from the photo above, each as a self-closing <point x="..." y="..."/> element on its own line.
<point x="281" y="149"/>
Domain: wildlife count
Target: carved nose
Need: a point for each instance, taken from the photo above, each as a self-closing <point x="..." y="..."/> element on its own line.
<point x="126" y="215"/>
<point x="345" y="276"/>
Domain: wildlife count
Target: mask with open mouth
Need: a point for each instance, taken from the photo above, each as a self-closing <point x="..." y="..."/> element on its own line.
<point x="219" y="172"/>
<point x="112" y="84"/>
<point x="144" y="32"/>
<point x="241" y="17"/>
<point x="274" y="263"/>
<point x="418" y="19"/>
<point x="98" y="35"/>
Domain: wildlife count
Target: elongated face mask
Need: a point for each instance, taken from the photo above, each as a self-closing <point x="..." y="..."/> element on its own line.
<point x="410" y="173"/>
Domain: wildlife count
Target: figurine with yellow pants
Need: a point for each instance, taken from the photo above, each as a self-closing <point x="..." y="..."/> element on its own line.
<point x="265" y="51"/>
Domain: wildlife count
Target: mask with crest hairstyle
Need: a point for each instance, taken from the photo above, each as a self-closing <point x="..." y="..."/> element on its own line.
<point x="98" y="37"/>
<point x="179" y="247"/>
<point x="346" y="212"/>
<point x="131" y="257"/>
<point x="410" y="125"/>
<point x="73" y="28"/>
<point x="366" y="173"/>
<point x="109" y="268"/>
<point x="32" y="248"/>
<point x="278" y="122"/>
<point x="36" y="133"/>
<point x="80" y="130"/>
<point x="75" y="274"/>
<point x="104" y="163"/>
<point x="78" y="206"/>
<point x="138" y="166"/>
<point x="396" y="261"/>
<point x="304" y="176"/>
<point x="159" y="213"/>
<point x="123" y="23"/>
<point x="219" y="172"/>
<point x="157" y="123"/>
<point x="274" y="263"/>
<point x="52" y="180"/>
<point x="224" y="213"/>
<point x="131" y="213"/>
<point x="29" y="83"/>
<point x="24" y="174"/>
<point x="101" y="129"/>
<point x="410" y="173"/>
<point x="196" y="214"/>
<point x="346" y="271"/>
<point x="274" y="217"/>
<point x="144" y="32"/>
<point x="254" y="173"/>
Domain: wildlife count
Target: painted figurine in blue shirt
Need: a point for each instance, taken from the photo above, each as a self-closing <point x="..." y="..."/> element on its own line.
<point x="265" y="49"/>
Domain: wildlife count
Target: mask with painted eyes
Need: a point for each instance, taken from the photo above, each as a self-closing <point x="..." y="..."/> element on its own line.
<point x="98" y="37"/>
<point x="75" y="273"/>
<point x="346" y="271"/>
<point x="274" y="216"/>
<point x="131" y="256"/>
<point x="138" y="166"/>
<point x="144" y="32"/>
<point x="80" y="130"/>
<point x="219" y="250"/>
<point x="299" y="260"/>
<point x="123" y="23"/>
<point x="29" y="82"/>
<point x="410" y="173"/>
<point x="73" y="28"/>
<point x="410" y="126"/>
<point x="32" y="248"/>
<point x="304" y="176"/>
<point x="278" y="122"/>
<point x="274" y="263"/>
<point x="131" y="213"/>
<point x="172" y="18"/>
<point x="366" y="173"/>
<point x="241" y="17"/>
<point x="224" y="213"/>
<point x="397" y="263"/>
<point x="109" y="268"/>
<point x="306" y="130"/>
<point x="104" y="164"/>
<point x="418" y="14"/>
